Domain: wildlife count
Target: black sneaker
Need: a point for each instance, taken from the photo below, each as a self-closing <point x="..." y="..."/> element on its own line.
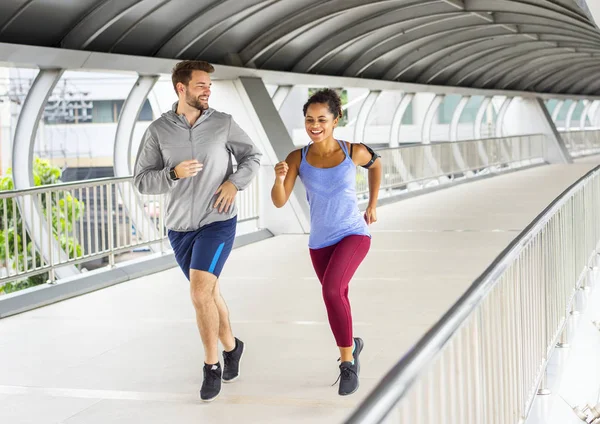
<point x="211" y="386"/>
<point x="231" y="362"/>
<point x="348" y="379"/>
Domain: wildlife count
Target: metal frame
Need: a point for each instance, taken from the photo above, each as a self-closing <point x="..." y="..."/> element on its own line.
<point x="362" y="121"/>
<point x="465" y="337"/>
<point x="570" y="112"/>
<point x="123" y="141"/>
<point x="22" y="165"/>
<point x="410" y="40"/>
<point x="477" y="126"/>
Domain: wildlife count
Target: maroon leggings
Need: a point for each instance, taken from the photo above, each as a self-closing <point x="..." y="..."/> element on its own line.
<point x="335" y="265"/>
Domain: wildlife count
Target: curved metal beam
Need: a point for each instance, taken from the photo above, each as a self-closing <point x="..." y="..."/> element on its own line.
<point x="584" y="114"/>
<point x="122" y="150"/>
<point x="570" y="115"/>
<point x="502" y="115"/>
<point x="536" y="66"/>
<point x="32" y="211"/>
<point x="453" y="134"/>
<point x="580" y="82"/>
<point x="22" y="8"/>
<point x="391" y="23"/>
<point x="502" y="46"/>
<point x="126" y="125"/>
<point x="377" y="62"/>
<point x="556" y="110"/>
<point x="503" y="71"/>
<point x="592" y="88"/>
<point x="398" y="117"/>
<point x="426" y="131"/>
<point x="281" y="95"/>
<point x="540" y="68"/>
<point x="460" y="108"/>
<point x="96" y="22"/>
<point x="207" y="18"/>
<point x="143" y="16"/>
<point x="429" y="118"/>
<point x="477" y="129"/>
<point x="548" y="74"/>
<point x="363" y="116"/>
<point x="395" y="133"/>
<point x="307" y="16"/>
<point x="550" y="10"/>
<point x="479" y="117"/>
<point x="437" y="49"/>
<point x="471" y="70"/>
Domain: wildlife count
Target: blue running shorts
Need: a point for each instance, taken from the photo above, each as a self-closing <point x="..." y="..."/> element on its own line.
<point x="205" y="249"/>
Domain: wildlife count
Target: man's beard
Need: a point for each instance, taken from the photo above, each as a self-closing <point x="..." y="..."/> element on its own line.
<point x="195" y="103"/>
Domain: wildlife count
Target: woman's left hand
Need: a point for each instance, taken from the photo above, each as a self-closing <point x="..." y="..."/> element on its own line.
<point x="371" y="215"/>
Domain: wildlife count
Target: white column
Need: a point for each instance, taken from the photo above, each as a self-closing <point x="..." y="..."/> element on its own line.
<point x="477" y="129"/>
<point x="122" y="151"/>
<point x="570" y="114"/>
<point x="556" y="110"/>
<point x="22" y="164"/>
<point x="584" y="115"/>
<point x="362" y="121"/>
<point x="398" y="116"/>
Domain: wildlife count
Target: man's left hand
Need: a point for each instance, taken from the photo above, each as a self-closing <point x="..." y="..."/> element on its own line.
<point x="226" y="192"/>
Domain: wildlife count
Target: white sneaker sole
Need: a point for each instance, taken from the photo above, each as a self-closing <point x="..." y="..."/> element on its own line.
<point x="211" y="399"/>
<point x="239" y="369"/>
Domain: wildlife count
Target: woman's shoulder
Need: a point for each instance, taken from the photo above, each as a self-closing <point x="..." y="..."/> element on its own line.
<point x="295" y="157"/>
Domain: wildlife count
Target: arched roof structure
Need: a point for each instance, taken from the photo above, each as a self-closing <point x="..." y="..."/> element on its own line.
<point x="545" y="46"/>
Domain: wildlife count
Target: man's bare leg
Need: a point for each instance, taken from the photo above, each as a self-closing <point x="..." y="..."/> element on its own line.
<point x="202" y="286"/>
<point x="225" y="333"/>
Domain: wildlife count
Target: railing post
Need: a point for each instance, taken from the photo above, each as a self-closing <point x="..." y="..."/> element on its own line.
<point x="109" y="212"/>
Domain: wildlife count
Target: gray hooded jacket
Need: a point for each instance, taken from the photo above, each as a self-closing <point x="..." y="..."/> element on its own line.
<point x="212" y="140"/>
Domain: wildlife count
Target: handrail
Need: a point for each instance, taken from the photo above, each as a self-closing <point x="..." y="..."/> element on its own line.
<point x="396" y="383"/>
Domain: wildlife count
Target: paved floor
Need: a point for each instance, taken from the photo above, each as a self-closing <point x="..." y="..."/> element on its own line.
<point x="131" y="353"/>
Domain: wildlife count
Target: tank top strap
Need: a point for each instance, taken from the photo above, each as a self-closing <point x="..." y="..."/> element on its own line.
<point x="305" y="151"/>
<point x="344" y="147"/>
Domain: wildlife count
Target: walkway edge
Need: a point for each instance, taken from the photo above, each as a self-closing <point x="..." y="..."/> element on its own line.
<point x="46" y="294"/>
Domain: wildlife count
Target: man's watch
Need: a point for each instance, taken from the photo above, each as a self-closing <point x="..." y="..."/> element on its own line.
<point x="173" y="174"/>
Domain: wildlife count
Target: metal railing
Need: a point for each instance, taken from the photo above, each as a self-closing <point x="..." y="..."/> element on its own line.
<point x="486" y="357"/>
<point x="88" y="220"/>
<point x="582" y="143"/>
<point x="420" y="163"/>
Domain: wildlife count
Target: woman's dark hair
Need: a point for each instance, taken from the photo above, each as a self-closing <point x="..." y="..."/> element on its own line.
<point x="330" y="98"/>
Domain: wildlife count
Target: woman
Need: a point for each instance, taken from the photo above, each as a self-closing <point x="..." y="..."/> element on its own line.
<point x="339" y="238"/>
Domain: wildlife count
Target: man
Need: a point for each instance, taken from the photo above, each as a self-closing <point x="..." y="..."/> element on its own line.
<point x="186" y="154"/>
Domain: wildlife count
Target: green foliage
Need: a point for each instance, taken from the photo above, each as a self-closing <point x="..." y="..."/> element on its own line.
<point x="65" y="208"/>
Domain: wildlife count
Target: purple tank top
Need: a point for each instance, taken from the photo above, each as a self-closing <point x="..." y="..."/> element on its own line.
<point x="331" y="194"/>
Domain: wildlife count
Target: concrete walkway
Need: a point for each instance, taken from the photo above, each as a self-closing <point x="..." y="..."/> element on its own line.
<point x="131" y="353"/>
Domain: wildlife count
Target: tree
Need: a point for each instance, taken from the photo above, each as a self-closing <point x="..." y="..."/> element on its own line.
<point x="65" y="210"/>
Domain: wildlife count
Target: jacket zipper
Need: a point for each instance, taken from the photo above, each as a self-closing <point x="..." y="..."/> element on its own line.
<point x="192" y="223"/>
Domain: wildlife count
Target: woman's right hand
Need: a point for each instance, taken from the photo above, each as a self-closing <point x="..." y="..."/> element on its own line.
<point x="281" y="170"/>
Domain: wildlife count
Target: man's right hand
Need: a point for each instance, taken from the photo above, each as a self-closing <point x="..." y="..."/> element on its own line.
<point x="188" y="168"/>
<point x="281" y="170"/>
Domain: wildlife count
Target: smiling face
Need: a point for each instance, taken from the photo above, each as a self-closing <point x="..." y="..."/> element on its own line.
<point x="197" y="92"/>
<point x="319" y="122"/>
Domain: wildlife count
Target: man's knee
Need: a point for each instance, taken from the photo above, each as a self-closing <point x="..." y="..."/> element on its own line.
<point x="202" y="287"/>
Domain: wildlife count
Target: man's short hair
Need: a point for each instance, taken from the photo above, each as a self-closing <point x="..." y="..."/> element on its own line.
<point x="182" y="72"/>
